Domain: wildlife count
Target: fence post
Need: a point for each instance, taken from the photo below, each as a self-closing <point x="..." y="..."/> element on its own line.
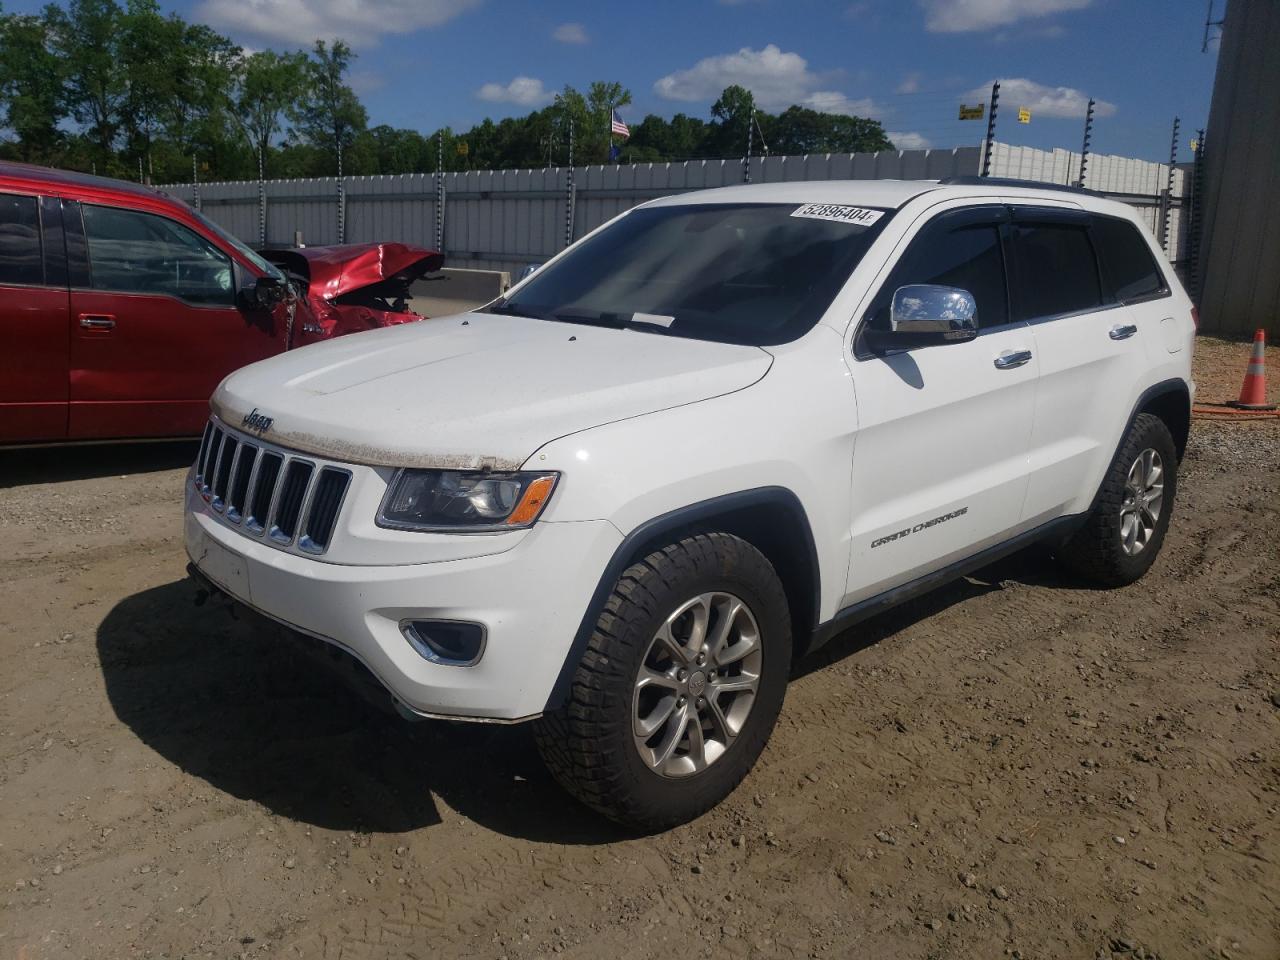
<point x="262" y="200"/>
<point x="570" y="194"/>
<point x="440" y="192"/>
<point x="991" y="129"/>
<point x="746" y="163"/>
<point x="1168" y="190"/>
<point x="195" y="183"/>
<point x="1084" y="150"/>
<point x="342" y="200"/>
<point x="1195" y="217"/>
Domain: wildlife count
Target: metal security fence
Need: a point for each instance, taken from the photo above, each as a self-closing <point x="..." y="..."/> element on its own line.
<point x="505" y="219"/>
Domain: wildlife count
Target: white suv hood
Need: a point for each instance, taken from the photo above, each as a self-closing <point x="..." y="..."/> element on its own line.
<point x="474" y="390"/>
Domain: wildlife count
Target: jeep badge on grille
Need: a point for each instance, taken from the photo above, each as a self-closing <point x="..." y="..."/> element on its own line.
<point x="257" y="422"/>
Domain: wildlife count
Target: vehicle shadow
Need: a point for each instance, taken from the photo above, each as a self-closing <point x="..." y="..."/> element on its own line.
<point x="234" y="700"/>
<point x="231" y="699"/>
<point x="1032" y="567"/>
<point x="19" y="467"/>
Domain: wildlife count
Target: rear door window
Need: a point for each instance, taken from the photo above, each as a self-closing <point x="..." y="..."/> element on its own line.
<point x="134" y="252"/>
<point x="21" y="261"/>
<point x="1057" y="272"/>
<point x="1127" y="264"/>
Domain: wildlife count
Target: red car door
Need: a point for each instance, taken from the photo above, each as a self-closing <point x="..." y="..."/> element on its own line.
<point x="155" y="325"/>
<point x="33" y="321"/>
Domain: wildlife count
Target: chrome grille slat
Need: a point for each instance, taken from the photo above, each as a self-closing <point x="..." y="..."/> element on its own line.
<point x="255" y="486"/>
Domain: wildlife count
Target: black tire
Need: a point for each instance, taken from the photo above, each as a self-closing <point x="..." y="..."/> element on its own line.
<point x="588" y="744"/>
<point x="1095" y="552"/>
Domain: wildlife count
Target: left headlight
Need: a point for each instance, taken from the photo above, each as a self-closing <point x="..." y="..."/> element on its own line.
<point x="456" y="500"/>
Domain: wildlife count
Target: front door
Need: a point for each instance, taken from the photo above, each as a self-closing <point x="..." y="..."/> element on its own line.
<point x="155" y="325"/>
<point x="940" y="458"/>
<point x="33" y="321"/>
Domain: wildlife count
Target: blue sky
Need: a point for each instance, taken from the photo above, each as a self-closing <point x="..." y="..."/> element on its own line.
<point x="426" y="63"/>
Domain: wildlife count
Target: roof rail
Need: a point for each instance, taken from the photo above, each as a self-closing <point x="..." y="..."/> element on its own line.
<point x="971" y="181"/>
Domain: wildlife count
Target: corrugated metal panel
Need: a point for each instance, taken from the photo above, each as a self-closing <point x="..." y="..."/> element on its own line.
<point x="506" y="219"/>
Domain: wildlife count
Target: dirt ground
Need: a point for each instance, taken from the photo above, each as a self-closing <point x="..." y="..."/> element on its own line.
<point x="1010" y="767"/>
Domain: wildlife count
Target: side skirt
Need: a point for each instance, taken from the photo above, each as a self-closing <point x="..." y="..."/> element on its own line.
<point x="1055" y="530"/>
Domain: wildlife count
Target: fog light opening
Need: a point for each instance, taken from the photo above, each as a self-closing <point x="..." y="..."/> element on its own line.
<point x="455" y="643"/>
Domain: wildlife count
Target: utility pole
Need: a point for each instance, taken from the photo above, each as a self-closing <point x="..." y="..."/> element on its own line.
<point x="1168" y="189"/>
<point x="991" y="128"/>
<point x="1084" y="150"/>
<point x="570" y="196"/>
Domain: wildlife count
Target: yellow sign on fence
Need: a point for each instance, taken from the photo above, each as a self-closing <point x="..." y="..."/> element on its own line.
<point x="1024" y="115"/>
<point x="973" y="113"/>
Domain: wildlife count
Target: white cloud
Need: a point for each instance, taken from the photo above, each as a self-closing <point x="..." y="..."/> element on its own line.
<point x="299" y="22"/>
<point x="1042" y="101"/>
<point x="962" y="16"/>
<point x="571" y="33"/>
<point x="908" y="140"/>
<point x="776" y="79"/>
<point x="522" y="91"/>
<point x="910" y="83"/>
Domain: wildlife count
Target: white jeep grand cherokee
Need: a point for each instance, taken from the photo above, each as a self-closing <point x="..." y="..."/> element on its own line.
<point x="696" y="444"/>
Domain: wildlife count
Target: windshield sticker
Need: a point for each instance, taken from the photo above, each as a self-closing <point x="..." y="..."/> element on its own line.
<point x="656" y="319"/>
<point x="860" y="216"/>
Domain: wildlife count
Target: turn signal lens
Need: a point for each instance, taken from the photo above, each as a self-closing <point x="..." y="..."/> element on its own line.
<point x="535" y="498"/>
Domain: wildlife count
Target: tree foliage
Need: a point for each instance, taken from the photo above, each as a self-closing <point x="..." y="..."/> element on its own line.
<point x="118" y="87"/>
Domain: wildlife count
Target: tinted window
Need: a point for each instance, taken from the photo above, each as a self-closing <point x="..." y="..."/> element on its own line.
<point x="739" y="273"/>
<point x="134" y="252"/>
<point x="1127" y="264"/>
<point x="967" y="257"/>
<point x="1057" y="272"/>
<point x="20" y="260"/>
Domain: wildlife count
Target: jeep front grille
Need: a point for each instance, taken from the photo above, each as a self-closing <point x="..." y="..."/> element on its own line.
<point x="284" y="498"/>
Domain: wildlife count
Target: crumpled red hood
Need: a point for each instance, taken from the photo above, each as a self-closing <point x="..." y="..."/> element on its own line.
<point x="340" y="269"/>
<point x="353" y="287"/>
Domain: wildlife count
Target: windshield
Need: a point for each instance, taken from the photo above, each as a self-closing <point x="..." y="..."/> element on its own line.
<point x="756" y="274"/>
<point x="268" y="268"/>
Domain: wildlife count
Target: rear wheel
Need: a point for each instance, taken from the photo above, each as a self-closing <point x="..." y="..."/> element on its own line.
<point x="680" y="685"/>
<point x="1123" y="534"/>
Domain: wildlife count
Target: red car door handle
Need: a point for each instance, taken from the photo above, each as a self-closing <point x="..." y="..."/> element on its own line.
<point x="90" y="321"/>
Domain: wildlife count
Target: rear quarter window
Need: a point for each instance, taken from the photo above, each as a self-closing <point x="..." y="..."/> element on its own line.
<point x="21" y="263"/>
<point x="1128" y="268"/>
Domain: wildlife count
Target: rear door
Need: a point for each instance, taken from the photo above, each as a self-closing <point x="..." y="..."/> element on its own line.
<point x="155" y="325"/>
<point x="1091" y="349"/>
<point x="939" y="465"/>
<point x="33" y="320"/>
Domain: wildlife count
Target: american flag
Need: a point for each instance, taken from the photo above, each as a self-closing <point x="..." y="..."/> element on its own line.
<point x="618" y="127"/>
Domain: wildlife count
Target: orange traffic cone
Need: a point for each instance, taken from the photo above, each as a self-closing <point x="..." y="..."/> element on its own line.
<point x="1253" y="393"/>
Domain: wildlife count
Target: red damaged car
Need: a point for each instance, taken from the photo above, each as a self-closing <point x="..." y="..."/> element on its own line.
<point x="121" y="308"/>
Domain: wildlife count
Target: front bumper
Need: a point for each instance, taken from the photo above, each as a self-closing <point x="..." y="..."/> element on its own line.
<point x="530" y="598"/>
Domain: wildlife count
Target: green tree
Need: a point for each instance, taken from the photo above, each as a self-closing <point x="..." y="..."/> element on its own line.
<point x="329" y="115"/>
<point x="31" y="95"/>
<point x="86" y="37"/>
<point x="268" y="85"/>
<point x="799" y="130"/>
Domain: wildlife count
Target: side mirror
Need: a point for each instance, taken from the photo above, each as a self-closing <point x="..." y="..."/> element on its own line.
<point x="268" y="291"/>
<point x="925" y="315"/>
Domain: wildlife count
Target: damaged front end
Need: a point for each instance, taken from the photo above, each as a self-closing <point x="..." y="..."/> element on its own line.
<point x="353" y="287"/>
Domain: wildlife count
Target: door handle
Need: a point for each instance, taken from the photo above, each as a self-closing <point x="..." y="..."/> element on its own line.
<point x="1012" y="358"/>
<point x="1122" y="331"/>
<point x="90" y="321"/>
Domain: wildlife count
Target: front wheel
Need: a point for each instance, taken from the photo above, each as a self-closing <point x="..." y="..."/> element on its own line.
<point x="680" y="685"/>
<point x="1125" y="530"/>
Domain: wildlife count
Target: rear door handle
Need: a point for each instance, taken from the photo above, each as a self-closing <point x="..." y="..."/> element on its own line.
<point x="1012" y="358"/>
<point x="89" y="321"/>
<point x="1122" y="331"/>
